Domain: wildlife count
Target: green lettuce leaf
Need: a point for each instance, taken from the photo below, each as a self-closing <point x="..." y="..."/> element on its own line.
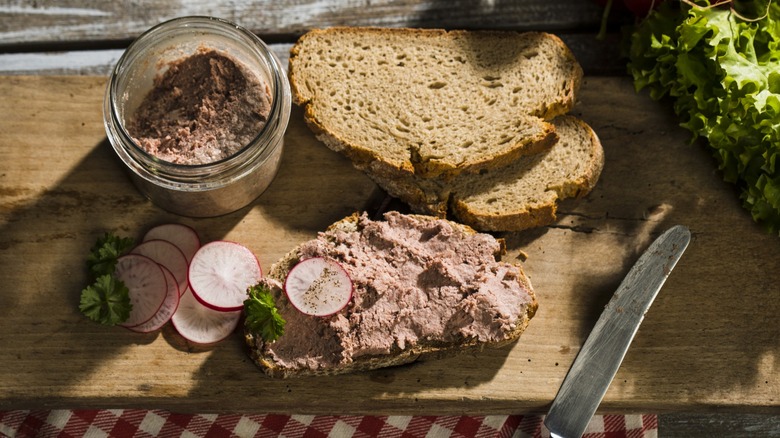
<point x="723" y="76"/>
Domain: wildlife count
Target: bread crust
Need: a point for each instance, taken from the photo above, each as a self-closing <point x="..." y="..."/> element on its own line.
<point x="430" y="185"/>
<point x="443" y="200"/>
<point x="423" y="350"/>
<point x="415" y="164"/>
<point x="530" y="216"/>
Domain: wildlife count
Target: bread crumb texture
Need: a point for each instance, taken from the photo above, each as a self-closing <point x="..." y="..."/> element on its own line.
<point x="431" y="101"/>
<point x="525" y="194"/>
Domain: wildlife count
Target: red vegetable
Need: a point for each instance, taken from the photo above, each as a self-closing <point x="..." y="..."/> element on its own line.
<point x="184" y="237"/>
<point x="200" y="324"/>
<point x="169" y="256"/>
<point x="166" y="311"/>
<point x="146" y="282"/>
<point x="318" y="286"/>
<point x="221" y="272"/>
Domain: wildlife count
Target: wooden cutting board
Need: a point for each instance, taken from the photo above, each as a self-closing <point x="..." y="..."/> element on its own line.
<point x="710" y="342"/>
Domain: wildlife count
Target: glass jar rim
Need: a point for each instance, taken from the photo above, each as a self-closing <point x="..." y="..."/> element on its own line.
<point x="200" y="22"/>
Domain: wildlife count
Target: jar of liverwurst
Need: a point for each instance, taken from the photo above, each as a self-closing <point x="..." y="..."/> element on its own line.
<point x="196" y="109"/>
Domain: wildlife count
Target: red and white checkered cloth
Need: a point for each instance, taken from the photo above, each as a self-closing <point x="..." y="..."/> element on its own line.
<point x="156" y="423"/>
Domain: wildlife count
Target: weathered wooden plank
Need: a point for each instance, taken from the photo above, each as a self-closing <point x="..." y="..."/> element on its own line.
<point x="597" y="58"/>
<point x="709" y="343"/>
<point x="85" y="62"/>
<point x="686" y="425"/>
<point x="73" y="21"/>
<point x="81" y="62"/>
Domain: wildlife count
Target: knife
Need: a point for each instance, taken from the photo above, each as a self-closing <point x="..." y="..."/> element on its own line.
<point x="599" y="359"/>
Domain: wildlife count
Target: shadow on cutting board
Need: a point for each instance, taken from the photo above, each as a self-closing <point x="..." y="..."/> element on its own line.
<point x="693" y="344"/>
<point x="653" y="179"/>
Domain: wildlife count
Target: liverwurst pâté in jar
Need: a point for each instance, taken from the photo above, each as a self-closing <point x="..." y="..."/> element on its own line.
<point x="196" y="109"/>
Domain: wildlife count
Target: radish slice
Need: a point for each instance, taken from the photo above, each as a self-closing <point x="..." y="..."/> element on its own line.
<point x="221" y="272"/>
<point x="168" y="255"/>
<point x="197" y="323"/>
<point x="184" y="237"/>
<point x="318" y="286"/>
<point x="146" y="282"/>
<point x="166" y="311"/>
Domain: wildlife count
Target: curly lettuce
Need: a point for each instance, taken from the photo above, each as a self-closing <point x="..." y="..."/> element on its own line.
<point x="722" y="72"/>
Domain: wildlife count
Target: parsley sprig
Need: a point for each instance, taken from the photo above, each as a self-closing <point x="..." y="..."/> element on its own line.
<point x="107" y="299"/>
<point x="262" y="317"/>
<point x="104" y="254"/>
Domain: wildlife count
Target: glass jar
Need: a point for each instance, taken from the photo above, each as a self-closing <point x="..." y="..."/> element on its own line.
<point x="200" y="190"/>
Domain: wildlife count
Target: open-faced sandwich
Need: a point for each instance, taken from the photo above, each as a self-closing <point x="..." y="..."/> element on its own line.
<point x="370" y="293"/>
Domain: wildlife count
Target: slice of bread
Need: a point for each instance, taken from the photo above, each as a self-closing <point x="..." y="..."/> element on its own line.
<point x="522" y="195"/>
<point x="432" y="103"/>
<point x="423" y="288"/>
<point x="526" y="194"/>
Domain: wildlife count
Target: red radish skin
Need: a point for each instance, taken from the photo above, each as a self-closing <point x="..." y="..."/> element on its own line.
<point x="200" y="324"/>
<point x="318" y="286"/>
<point x="166" y="311"/>
<point x="220" y="273"/>
<point x="169" y="256"/>
<point x="184" y="237"/>
<point x="147" y="286"/>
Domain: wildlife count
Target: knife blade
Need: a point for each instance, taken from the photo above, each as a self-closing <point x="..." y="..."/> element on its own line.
<point x="596" y="364"/>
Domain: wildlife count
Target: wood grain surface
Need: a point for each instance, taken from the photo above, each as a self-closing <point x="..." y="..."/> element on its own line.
<point x="74" y="22"/>
<point x="719" y="359"/>
<point x="88" y="36"/>
<point x="709" y="343"/>
<point x="596" y="57"/>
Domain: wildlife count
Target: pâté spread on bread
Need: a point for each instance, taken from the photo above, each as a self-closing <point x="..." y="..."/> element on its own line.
<point x="421" y="286"/>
